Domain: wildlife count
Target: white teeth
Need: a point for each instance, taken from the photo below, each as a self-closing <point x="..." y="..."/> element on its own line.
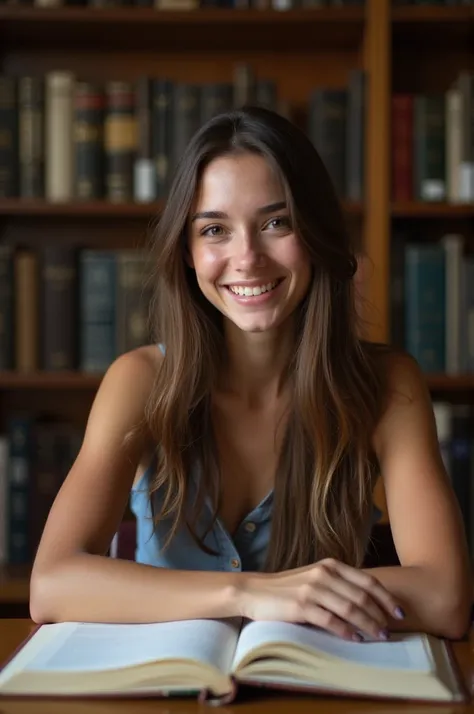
<point x="249" y="292"/>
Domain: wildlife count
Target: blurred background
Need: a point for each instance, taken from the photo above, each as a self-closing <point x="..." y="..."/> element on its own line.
<point x="98" y="99"/>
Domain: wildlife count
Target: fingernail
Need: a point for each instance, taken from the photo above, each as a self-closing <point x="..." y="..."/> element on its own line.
<point x="384" y="634"/>
<point x="356" y="637"/>
<point x="399" y="613"/>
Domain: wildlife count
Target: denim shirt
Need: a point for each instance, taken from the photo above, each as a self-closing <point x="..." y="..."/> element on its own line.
<point x="244" y="551"/>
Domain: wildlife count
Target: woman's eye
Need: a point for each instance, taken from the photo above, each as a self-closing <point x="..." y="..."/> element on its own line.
<point x="212" y="231"/>
<point x="280" y="222"/>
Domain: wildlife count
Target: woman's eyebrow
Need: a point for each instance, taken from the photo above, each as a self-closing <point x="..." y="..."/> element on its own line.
<point x="277" y="206"/>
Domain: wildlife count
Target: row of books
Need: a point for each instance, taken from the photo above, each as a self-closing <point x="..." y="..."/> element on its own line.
<point x="65" y="307"/>
<point x="433" y="144"/>
<point x="432" y="302"/>
<point x="36" y="454"/>
<point x="120" y="140"/>
<point x="455" y="430"/>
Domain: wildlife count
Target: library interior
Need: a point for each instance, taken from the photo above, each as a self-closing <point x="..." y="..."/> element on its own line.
<point x="99" y="98"/>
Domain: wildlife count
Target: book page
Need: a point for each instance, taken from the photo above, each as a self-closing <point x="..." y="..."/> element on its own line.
<point x="82" y="647"/>
<point x="403" y="652"/>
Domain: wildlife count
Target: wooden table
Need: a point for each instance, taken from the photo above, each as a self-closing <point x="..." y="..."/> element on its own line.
<point x="13" y="632"/>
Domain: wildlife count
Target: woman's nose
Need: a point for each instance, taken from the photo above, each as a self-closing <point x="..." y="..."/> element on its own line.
<point x="249" y="252"/>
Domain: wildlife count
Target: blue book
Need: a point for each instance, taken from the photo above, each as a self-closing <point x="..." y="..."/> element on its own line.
<point x="425" y="311"/>
<point x="97" y="309"/>
<point x="19" y="430"/>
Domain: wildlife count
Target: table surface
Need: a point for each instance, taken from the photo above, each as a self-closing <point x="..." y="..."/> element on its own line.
<point x="14" y="631"/>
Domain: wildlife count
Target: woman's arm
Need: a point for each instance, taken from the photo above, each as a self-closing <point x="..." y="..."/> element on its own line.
<point x="72" y="579"/>
<point x="434" y="582"/>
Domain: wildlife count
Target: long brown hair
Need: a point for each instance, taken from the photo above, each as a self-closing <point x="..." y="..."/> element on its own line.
<point x="325" y="475"/>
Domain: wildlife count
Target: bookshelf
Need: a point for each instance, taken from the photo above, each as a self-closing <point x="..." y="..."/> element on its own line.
<point x="298" y="49"/>
<point x="419" y="209"/>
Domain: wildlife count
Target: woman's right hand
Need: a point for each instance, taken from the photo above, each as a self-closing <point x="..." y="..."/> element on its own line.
<point x="328" y="594"/>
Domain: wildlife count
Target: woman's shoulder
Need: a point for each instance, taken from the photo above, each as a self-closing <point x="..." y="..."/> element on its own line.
<point x="402" y="386"/>
<point x="127" y="384"/>
<point x="395" y="368"/>
<point x="140" y="363"/>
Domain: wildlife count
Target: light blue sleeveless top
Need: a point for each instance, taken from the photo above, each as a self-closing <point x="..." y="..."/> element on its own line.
<point x="245" y="550"/>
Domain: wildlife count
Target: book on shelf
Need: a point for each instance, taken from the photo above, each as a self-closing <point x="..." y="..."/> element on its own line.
<point x="66" y="307"/>
<point x="72" y="138"/>
<point x="432" y="143"/>
<point x="36" y="454"/>
<point x="211" y="659"/>
<point x="432" y="301"/>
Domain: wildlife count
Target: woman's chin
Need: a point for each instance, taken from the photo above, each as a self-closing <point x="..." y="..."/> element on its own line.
<point x="255" y="326"/>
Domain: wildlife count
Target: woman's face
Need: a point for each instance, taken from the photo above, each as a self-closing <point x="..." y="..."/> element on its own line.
<point x="249" y="262"/>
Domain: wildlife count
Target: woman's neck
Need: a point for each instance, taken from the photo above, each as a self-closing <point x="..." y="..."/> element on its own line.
<point x="255" y="370"/>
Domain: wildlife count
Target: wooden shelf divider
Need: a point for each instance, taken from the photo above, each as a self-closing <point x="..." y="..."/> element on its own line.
<point x="428" y="209"/>
<point x="70" y="380"/>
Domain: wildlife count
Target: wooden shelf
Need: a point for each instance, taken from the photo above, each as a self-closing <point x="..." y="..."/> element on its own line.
<point x="145" y="28"/>
<point x="14" y="584"/>
<point x="78" y="209"/>
<point x="11" y="380"/>
<point x="432" y="25"/>
<point x="10" y="207"/>
<point x="433" y="14"/>
<point x="450" y="383"/>
<point x="428" y="209"/>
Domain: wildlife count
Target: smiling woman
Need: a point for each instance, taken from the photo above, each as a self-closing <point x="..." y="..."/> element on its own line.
<point x="248" y="260"/>
<point x="253" y="438"/>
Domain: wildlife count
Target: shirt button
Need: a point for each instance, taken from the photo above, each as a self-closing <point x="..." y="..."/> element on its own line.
<point x="250" y="527"/>
<point x="235" y="563"/>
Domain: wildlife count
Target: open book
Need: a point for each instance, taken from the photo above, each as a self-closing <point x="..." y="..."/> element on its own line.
<point x="212" y="657"/>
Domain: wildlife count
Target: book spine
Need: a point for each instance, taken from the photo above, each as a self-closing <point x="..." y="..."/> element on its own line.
<point x="8" y="137"/>
<point x="327" y="131"/>
<point x="425" y="301"/>
<point x="144" y="169"/>
<point x="187" y="114"/>
<point x="454" y="146"/>
<point x="120" y="136"/>
<point x="355" y="139"/>
<point x="19" y="485"/>
<point x="31" y="137"/>
<point x="47" y="474"/>
<point x="266" y="94"/>
<point x="216" y="98"/>
<point x="26" y="292"/>
<point x="397" y="290"/>
<point x="469" y="309"/>
<point x="430" y="147"/>
<point x="465" y="85"/>
<point x="59" y="139"/>
<point x="453" y="246"/>
<point x="461" y="460"/>
<point x="89" y="103"/>
<point x="6" y="307"/>
<point x="132" y="301"/>
<point x="97" y="270"/>
<point x="243" y="85"/>
<point x="162" y="134"/>
<point x="4" y="487"/>
<point x="58" y="310"/>
<point x="402" y="147"/>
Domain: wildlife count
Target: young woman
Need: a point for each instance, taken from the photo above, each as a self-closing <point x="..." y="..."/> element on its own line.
<point x="252" y="436"/>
